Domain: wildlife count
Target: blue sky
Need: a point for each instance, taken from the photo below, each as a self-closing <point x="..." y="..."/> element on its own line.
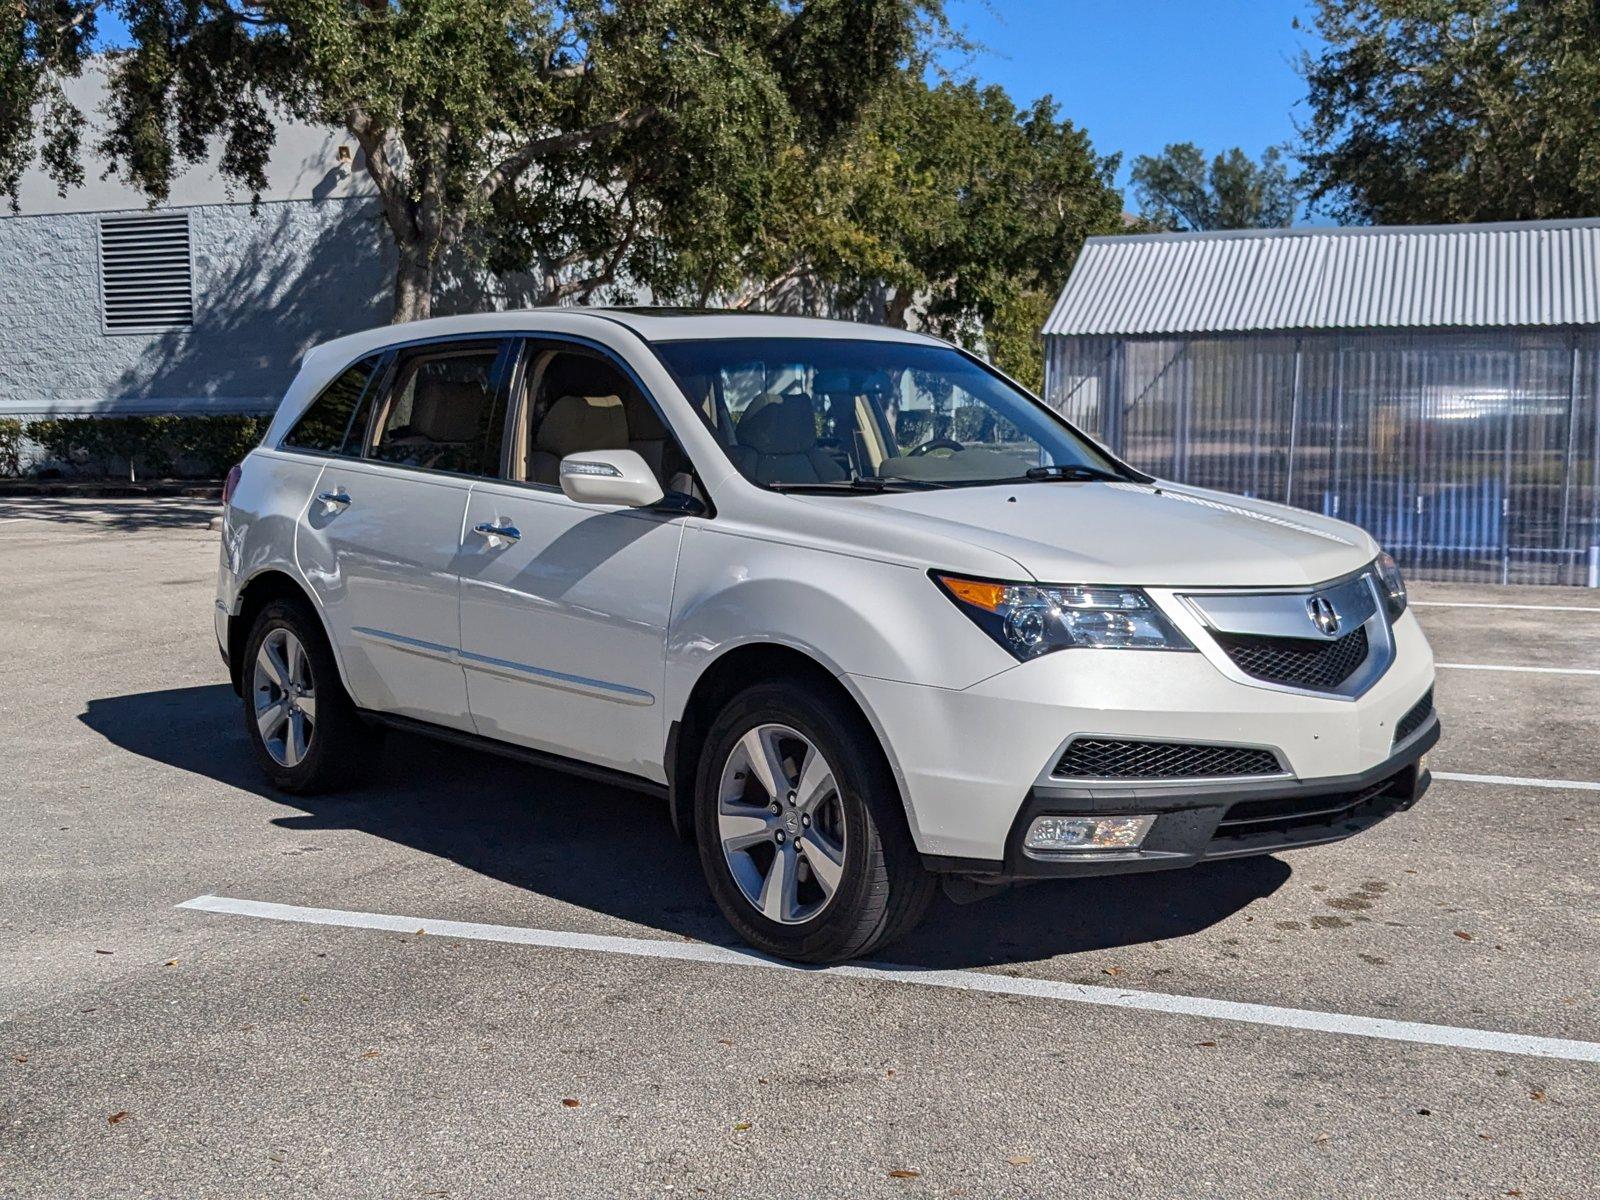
<point x="1138" y="74"/>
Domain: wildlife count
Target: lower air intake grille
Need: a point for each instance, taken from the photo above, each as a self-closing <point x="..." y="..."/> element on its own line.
<point x="1112" y="758"/>
<point x="1415" y="718"/>
<point x="1298" y="662"/>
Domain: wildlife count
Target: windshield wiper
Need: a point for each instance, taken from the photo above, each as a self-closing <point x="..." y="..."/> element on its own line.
<point x="861" y="483"/>
<point x="1073" y="471"/>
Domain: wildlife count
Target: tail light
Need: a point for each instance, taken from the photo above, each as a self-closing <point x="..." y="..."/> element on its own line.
<point x="231" y="483"/>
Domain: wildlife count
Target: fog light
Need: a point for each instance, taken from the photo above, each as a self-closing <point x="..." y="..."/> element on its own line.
<point x="1087" y="833"/>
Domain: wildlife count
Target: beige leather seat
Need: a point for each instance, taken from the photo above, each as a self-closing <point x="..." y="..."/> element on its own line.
<point x="575" y="424"/>
<point x="446" y="426"/>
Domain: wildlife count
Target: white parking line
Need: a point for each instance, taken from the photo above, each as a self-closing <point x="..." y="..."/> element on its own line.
<point x="1520" y="781"/>
<point x="1519" y="607"/>
<point x="974" y="981"/>
<point x="1507" y="667"/>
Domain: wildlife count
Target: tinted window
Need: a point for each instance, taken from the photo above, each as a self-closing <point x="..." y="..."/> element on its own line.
<point x="444" y="413"/>
<point x="326" y="425"/>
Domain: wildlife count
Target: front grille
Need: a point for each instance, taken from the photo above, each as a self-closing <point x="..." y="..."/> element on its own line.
<point x="1295" y="817"/>
<point x="1114" y="758"/>
<point x="1416" y="717"/>
<point x="1299" y="662"/>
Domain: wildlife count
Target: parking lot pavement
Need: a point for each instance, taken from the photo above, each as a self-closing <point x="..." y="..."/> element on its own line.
<point x="149" y="1049"/>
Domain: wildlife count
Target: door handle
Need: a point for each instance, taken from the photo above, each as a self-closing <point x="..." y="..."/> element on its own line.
<point x="491" y="531"/>
<point x="334" y="500"/>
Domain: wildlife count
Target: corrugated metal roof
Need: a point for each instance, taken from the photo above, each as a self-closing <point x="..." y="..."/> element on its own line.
<point x="1394" y="277"/>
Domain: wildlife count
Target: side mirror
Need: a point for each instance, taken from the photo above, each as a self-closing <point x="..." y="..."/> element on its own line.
<point x="609" y="477"/>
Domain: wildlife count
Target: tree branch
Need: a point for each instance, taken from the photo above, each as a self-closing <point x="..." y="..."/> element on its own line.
<point x="509" y="168"/>
<point x="391" y="189"/>
<point x="772" y="286"/>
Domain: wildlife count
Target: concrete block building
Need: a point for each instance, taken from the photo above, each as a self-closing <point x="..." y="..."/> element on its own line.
<point x="202" y="305"/>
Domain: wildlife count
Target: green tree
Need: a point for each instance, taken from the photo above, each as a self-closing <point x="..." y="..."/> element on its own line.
<point x="1454" y="110"/>
<point x="1178" y="189"/>
<point x="41" y="43"/>
<point x="610" y="132"/>
<point x="949" y="203"/>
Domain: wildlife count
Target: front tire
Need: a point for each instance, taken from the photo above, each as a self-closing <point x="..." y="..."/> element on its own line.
<point x="304" y="729"/>
<point x="800" y="827"/>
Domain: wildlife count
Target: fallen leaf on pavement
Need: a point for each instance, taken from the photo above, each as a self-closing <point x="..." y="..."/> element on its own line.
<point x="370" y="1054"/>
<point x="1206" y="1044"/>
<point x="1538" y="1095"/>
<point x="1463" y="935"/>
<point x="1020" y="1160"/>
<point x="571" y="1103"/>
<point x="741" y="1126"/>
<point x="117" y="1118"/>
<point x="905" y="1173"/>
<point x="1111" y="971"/>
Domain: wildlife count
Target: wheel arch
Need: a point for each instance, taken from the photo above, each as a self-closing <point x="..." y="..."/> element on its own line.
<point x="733" y="671"/>
<point x="260" y="590"/>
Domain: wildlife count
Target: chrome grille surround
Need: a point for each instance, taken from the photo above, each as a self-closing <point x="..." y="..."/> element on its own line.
<point x="1268" y="638"/>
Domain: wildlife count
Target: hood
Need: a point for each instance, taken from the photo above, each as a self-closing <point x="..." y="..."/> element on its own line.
<point x="1149" y="535"/>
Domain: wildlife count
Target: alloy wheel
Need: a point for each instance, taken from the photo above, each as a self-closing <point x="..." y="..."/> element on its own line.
<point x="781" y="820"/>
<point x="285" y="697"/>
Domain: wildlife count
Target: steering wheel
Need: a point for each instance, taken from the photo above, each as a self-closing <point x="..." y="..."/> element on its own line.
<point x="932" y="444"/>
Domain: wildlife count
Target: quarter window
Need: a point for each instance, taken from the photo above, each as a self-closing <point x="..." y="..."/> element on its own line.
<point x="327" y="425"/>
<point x="444" y="412"/>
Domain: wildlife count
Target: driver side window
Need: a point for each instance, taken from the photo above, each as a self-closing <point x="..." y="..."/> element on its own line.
<point x="579" y="400"/>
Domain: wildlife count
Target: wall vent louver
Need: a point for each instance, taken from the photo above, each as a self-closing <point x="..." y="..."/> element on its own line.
<point x="146" y="273"/>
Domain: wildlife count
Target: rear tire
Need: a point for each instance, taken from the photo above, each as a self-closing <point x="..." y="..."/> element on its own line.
<point x="306" y="733"/>
<point x="832" y="874"/>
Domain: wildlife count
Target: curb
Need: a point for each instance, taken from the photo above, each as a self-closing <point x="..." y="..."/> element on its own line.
<point x="111" y="491"/>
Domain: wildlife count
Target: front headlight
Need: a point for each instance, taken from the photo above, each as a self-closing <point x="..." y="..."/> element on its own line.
<point x="1391" y="585"/>
<point x="1030" y="619"/>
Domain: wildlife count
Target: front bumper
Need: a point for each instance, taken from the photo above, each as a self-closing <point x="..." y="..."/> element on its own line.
<point x="1203" y="823"/>
<point x="969" y="760"/>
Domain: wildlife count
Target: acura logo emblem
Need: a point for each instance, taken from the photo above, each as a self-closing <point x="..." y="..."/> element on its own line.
<point x="1323" y="615"/>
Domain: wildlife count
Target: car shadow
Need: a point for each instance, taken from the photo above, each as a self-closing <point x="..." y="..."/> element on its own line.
<point x="612" y="851"/>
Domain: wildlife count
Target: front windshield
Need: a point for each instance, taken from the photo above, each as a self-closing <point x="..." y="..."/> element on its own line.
<point x="841" y="412"/>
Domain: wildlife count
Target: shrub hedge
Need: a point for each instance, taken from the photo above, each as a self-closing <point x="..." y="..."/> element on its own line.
<point x="140" y="447"/>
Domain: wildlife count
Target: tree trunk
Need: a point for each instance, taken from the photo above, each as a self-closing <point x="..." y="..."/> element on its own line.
<point x="896" y="310"/>
<point x="413" y="283"/>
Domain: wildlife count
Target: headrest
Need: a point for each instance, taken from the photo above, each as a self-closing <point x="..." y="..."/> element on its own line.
<point x="577" y="423"/>
<point x="776" y="424"/>
<point x="447" y="410"/>
<point x="877" y="383"/>
<point x="835" y="382"/>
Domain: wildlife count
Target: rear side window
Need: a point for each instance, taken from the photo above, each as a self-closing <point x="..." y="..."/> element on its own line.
<point x="327" y="426"/>
<point x="444" y="412"/>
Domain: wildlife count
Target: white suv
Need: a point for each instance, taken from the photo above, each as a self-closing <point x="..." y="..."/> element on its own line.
<point x="865" y="613"/>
